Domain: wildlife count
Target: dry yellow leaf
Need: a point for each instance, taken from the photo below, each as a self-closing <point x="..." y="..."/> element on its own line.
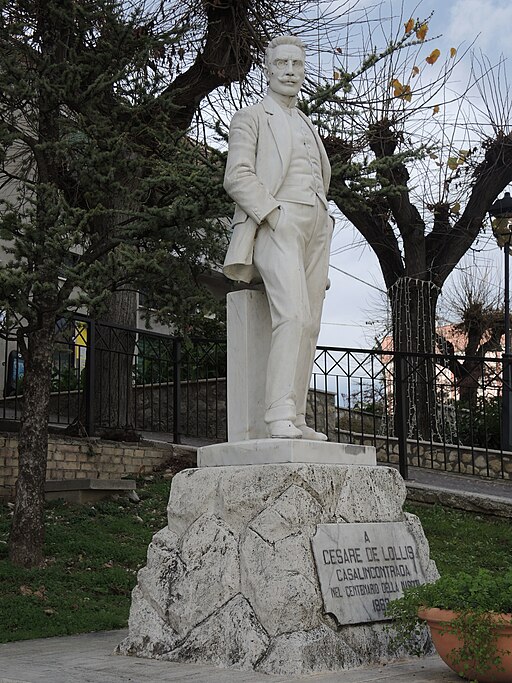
<point x="433" y="56"/>
<point x="453" y="52"/>
<point x="421" y="33"/>
<point x="409" y="25"/>
<point x="402" y="91"/>
<point x="415" y="70"/>
<point x="436" y="109"/>
<point x="455" y="208"/>
<point x="397" y="87"/>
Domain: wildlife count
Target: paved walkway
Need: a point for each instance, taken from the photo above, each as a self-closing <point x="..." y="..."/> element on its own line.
<point x="87" y="659"/>
<point x="465" y="492"/>
<point x="466" y="483"/>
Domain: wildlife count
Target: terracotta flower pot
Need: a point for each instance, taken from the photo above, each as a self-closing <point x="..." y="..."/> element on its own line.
<point x="446" y="642"/>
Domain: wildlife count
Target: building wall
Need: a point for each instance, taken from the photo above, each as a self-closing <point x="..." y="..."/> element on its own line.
<point x="84" y="459"/>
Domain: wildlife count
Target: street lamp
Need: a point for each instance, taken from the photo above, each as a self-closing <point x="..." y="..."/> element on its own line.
<point x="501" y="210"/>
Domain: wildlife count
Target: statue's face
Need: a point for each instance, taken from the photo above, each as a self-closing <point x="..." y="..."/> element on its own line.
<point x="285" y="70"/>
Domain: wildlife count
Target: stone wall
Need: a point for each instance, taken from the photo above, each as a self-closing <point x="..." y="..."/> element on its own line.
<point x="345" y="426"/>
<point x="206" y="402"/>
<point x="84" y="459"/>
<point x="203" y="407"/>
<point x="438" y="456"/>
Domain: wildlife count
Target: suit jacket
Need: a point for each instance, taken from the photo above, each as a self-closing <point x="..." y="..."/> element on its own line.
<point x="260" y="147"/>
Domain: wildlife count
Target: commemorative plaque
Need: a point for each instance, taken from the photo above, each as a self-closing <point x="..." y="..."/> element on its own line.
<point x="361" y="567"/>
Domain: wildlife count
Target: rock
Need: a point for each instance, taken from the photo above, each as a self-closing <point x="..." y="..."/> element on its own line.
<point x="370" y="494"/>
<point x="275" y="556"/>
<point x="232" y="579"/>
<point x="429" y="566"/>
<point x="149" y="635"/>
<point x="163" y="570"/>
<point x="308" y="652"/>
<point x="278" y="581"/>
<point x="286" y="515"/>
<point x="230" y="637"/>
<point x="210" y="576"/>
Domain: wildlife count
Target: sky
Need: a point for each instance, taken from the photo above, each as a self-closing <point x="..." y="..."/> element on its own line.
<point x="355" y="303"/>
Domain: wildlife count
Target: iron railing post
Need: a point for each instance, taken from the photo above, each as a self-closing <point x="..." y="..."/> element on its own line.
<point x="506" y="422"/>
<point x="90" y="373"/>
<point x="401" y="414"/>
<point x="176" y="407"/>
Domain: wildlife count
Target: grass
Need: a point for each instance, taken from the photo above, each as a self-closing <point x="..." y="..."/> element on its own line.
<point x="93" y="553"/>
<point x="464" y="540"/>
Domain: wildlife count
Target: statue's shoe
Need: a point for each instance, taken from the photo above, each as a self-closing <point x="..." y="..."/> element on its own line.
<point x="283" y="429"/>
<point x="308" y="433"/>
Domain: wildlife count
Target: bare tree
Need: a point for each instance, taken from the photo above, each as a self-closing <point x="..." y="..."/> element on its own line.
<point x="474" y="305"/>
<point x="416" y="166"/>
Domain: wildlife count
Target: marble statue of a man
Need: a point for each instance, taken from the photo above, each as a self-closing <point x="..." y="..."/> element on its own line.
<point x="278" y="175"/>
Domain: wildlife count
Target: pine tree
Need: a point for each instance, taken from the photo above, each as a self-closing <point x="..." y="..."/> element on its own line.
<point x="102" y="189"/>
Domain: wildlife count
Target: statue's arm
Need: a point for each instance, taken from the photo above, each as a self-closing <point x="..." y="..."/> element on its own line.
<point x="240" y="180"/>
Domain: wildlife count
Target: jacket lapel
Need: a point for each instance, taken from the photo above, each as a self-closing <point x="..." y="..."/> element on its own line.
<point x="283" y="138"/>
<point x="280" y="131"/>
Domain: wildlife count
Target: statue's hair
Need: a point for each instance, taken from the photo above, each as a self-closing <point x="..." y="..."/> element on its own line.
<point x="283" y="40"/>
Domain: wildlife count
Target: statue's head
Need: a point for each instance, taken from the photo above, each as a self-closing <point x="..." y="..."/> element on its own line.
<point x="284" y="65"/>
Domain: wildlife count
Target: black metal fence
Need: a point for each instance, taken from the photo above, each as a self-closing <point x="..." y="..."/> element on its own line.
<point x="111" y="378"/>
<point x="441" y="412"/>
<point x="427" y="410"/>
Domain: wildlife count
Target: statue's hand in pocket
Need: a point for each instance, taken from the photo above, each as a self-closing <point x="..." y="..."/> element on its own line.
<point x="274" y="217"/>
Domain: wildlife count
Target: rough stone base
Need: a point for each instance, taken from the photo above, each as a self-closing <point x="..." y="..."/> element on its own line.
<point x="232" y="581"/>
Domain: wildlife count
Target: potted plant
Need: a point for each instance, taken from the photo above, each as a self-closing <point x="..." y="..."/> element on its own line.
<point x="470" y="622"/>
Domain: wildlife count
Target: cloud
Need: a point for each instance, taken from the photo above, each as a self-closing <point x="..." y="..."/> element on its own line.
<point x="487" y="19"/>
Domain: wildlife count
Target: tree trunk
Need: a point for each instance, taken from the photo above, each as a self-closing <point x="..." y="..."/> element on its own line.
<point x="470" y="381"/>
<point x="27" y="530"/>
<point x="114" y="400"/>
<point x="413" y="306"/>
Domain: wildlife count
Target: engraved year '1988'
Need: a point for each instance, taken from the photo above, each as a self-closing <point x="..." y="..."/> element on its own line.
<point x="380" y="604"/>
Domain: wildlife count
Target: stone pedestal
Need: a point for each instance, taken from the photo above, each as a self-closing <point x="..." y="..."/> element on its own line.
<point x="232" y="579"/>
<point x="275" y="451"/>
<point x="249" y="334"/>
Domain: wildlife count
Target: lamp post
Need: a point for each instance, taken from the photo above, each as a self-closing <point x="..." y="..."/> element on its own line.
<point x="501" y="210"/>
